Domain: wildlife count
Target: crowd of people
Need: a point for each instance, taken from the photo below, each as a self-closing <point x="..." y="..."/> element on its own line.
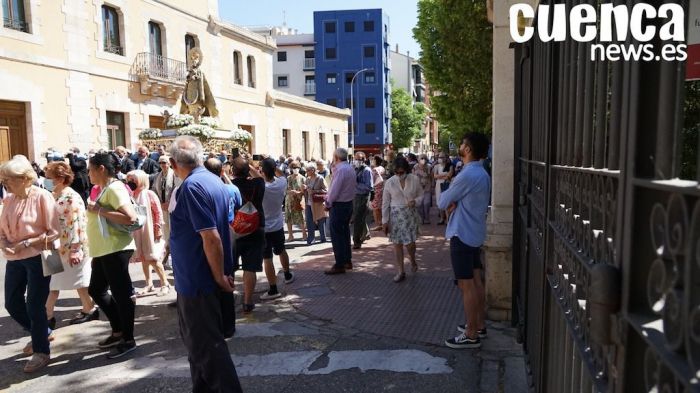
<point x="101" y="211"/>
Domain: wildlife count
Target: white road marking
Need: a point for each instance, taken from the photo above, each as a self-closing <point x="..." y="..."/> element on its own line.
<point x="400" y="361"/>
<point x="286" y="363"/>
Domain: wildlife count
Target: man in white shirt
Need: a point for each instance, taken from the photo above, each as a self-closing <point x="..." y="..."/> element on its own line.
<point x="275" y="189"/>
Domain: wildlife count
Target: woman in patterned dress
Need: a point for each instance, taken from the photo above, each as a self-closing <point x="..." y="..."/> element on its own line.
<point x="294" y="201"/>
<point x="376" y="204"/>
<point x="73" y="245"/>
<point x="402" y="195"/>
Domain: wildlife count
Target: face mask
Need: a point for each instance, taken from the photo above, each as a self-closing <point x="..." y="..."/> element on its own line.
<point x="48" y="184"/>
<point x="440" y="161"/>
<point x="132" y="185"/>
<point x="295" y="171"/>
<point x="423" y="161"/>
<point x="402" y="177"/>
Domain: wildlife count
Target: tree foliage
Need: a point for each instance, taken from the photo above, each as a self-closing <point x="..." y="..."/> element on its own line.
<point x="456" y="53"/>
<point x="406" y="119"/>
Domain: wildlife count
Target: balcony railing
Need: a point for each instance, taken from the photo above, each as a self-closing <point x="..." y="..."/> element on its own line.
<point x="115" y="49"/>
<point x="309" y="64"/>
<point x="158" y="67"/>
<point x="15" y="24"/>
<point x="310" y="89"/>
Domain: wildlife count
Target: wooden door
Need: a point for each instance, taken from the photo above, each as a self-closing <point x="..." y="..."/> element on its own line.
<point x="12" y="117"/>
<point x="5" y="153"/>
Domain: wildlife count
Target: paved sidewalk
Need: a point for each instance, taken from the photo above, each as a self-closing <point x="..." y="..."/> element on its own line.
<point x="357" y="332"/>
<point x="423" y="309"/>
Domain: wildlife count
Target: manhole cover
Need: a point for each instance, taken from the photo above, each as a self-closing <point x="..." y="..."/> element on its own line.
<point x="316" y="291"/>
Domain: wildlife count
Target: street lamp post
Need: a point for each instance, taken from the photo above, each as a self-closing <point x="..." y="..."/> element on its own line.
<point x="352" y="108"/>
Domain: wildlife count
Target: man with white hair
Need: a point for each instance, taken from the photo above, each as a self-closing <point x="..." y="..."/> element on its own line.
<point x="339" y="202"/>
<point x="200" y="244"/>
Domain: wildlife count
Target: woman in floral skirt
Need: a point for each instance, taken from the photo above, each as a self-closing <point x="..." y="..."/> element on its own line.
<point x="400" y="218"/>
<point x="294" y="201"/>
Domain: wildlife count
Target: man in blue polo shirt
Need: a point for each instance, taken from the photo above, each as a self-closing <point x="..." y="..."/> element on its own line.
<point x="466" y="201"/>
<point x="202" y="263"/>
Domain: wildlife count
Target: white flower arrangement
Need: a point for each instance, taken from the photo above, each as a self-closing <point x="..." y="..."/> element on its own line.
<point x="241" y="135"/>
<point x="200" y="131"/>
<point x="210" y="121"/>
<point x="178" y="120"/>
<point x="150" y="133"/>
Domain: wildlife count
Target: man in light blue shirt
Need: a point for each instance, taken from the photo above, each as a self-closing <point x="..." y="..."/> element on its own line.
<point x="466" y="201"/>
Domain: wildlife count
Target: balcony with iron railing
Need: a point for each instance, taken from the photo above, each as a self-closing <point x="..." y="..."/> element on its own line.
<point x="15" y="24"/>
<point x="310" y="88"/>
<point x="158" y="75"/>
<point x="309" y="63"/>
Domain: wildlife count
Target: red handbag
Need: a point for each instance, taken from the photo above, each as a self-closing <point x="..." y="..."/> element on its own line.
<point x="319" y="197"/>
<point x="246" y="220"/>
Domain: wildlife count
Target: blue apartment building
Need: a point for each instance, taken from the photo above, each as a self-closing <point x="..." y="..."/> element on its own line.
<point x="346" y="42"/>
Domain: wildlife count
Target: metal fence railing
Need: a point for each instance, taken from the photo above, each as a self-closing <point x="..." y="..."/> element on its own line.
<point x="15" y="24"/>
<point x="158" y="67"/>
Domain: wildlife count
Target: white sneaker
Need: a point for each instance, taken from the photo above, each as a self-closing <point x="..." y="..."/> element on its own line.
<point x="269" y="296"/>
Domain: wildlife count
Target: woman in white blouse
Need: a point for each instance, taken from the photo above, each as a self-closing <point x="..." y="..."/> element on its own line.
<point x="400" y="218"/>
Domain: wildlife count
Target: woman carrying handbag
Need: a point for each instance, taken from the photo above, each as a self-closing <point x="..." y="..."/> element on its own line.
<point x="316" y="213"/>
<point x="28" y="223"/>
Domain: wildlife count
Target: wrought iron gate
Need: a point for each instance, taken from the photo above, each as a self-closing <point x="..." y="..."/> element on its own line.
<point x="606" y="252"/>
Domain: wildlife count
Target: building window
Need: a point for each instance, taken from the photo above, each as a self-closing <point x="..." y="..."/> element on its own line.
<point x="369" y="102"/>
<point x="237" y="68"/>
<point x="116" y="135"/>
<point x="369" y="51"/>
<point x="370" y="128"/>
<point x="111" y="40"/>
<point x="250" y="62"/>
<point x="329" y="27"/>
<point x="369" y="25"/>
<point x="349" y="27"/>
<point x="190" y="42"/>
<point x="13" y="15"/>
<point x="155" y="38"/>
<point x="285" y="142"/>
<point x="330" y="54"/>
<point x="330" y="78"/>
<point x="309" y="85"/>
<point x="332" y="102"/>
<point x="309" y="60"/>
<point x="282" y="81"/>
<point x="370" y="77"/>
<point x="349" y="76"/>
<point x="336" y="141"/>
<point x="350" y="104"/>
<point x="282" y="56"/>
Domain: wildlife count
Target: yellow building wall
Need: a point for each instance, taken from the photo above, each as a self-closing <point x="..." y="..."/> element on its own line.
<point x="69" y="82"/>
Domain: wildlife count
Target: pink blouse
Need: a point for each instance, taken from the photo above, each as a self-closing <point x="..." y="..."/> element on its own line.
<point x="23" y="219"/>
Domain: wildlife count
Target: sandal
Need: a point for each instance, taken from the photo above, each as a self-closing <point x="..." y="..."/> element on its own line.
<point x="146" y="291"/>
<point x="414" y="266"/>
<point x="163" y="291"/>
<point x="399" y="277"/>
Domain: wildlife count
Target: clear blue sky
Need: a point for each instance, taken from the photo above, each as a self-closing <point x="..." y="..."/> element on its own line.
<point x="300" y="15"/>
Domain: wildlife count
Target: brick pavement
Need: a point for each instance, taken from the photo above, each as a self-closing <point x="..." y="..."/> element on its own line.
<point x="425" y="308"/>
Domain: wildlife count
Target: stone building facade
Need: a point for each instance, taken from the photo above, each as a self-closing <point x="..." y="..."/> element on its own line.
<point x="94" y="73"/>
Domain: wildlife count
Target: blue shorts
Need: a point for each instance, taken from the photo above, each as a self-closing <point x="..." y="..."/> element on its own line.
<point x="465" y="259"/>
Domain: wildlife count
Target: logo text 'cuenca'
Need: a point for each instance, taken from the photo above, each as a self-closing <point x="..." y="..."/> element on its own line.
<point x="610" y="25"/>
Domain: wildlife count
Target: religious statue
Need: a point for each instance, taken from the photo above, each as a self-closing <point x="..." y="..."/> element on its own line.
<point x="197" y="99"/>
